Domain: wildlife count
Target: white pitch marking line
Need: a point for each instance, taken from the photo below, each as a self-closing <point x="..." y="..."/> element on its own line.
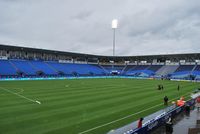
<point x="21" y="90"/>
<point x="35" y="101"/>
<point x="38" y="102"/>
<point x="118" y="119"/>
<point x="125" y="117"/>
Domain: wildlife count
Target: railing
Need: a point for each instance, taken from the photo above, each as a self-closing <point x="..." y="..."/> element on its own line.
<point x="154" y="122"/>
<point x="162" y="119"/>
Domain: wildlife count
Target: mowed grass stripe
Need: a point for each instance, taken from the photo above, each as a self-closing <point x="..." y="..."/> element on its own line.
<point x="74" y="99"/>
<point x="69" y="114"/>
<point x="86" y="112"/>
<point x="92" y="94"/>
<point x="103" y="99"/>
<point x="63" y="90"/>
<point x="86" y="96"/>
<point x="139" y="106"/>
<point x="86" y="89"/>
<point x="93" y="114"/>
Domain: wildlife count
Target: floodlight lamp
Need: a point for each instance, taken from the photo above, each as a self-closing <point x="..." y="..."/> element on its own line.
<point x="114" y="23"/>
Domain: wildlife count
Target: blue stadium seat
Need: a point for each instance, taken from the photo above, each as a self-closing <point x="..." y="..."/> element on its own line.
<point x="24" y="66"/>
<point x="143" y="70"/>
<point x="183" y="71"/>
<point x="6" y="68"/>
<point x="79" y="69"/>
<point x="110" y="68"/>
<point x="43" y="66"/>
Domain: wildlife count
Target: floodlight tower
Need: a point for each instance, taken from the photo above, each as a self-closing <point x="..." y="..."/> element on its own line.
<point x="114" y="26"/>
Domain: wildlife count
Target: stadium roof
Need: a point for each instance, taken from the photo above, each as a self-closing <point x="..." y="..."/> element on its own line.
<point x="161" y="57"/>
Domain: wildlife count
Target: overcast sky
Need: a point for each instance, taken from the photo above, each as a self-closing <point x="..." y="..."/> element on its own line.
<point x="145" y="26"/>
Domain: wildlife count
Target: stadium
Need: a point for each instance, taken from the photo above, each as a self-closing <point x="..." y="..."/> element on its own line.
<point x="45" y="91"/>
<point x="65" y="70"/>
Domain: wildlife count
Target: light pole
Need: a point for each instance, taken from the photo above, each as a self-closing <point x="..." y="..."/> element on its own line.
<point x="114" y="26"/>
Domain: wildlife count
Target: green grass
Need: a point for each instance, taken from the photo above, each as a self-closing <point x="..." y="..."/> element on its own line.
<point x="73" y="106"/>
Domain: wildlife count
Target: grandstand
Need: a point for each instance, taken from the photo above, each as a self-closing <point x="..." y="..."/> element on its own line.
<point x="92" y="105"/>
<point x="31" y="62"/>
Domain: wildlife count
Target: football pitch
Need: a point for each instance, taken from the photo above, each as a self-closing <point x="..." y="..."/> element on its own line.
<point x="81" y="106"/>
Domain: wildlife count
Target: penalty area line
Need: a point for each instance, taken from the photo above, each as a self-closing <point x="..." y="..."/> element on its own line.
<point x="19" y="95"/>
<point x="125" y="117"/>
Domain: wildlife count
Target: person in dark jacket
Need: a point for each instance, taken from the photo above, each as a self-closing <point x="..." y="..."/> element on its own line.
<point x="166" y="101"/>
<point x="169" y="126"/>
<point x="187" y="109"/>
<point x="178" y="88"/>
<point x="162" y="87"/>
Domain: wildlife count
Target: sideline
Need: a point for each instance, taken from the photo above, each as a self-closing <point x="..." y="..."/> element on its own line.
<point x="19" y="95"/>
<point x="128" y="116"/>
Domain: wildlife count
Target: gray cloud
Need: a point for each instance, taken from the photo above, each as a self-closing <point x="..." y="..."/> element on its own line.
<point x="145" y="27"/>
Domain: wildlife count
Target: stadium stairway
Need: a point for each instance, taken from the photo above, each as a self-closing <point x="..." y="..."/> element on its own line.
<point x="44" y="68"/>
<point x="60" y="67"/>
<point x="167" y="69"/>
<point x="98" y="70"/>
<point x="129" y="67"/>
<point x="106" y="71"/>
<point x="155" y="68"/>
<point x="194" y="68"/>
<point x="24" y="66"/>
<point x="46" y="62"/>
<point x="108" y="68"/>
<point x="196" y="72"/>
<point x="123" y="70"/>
<point x="13" y="65"/>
